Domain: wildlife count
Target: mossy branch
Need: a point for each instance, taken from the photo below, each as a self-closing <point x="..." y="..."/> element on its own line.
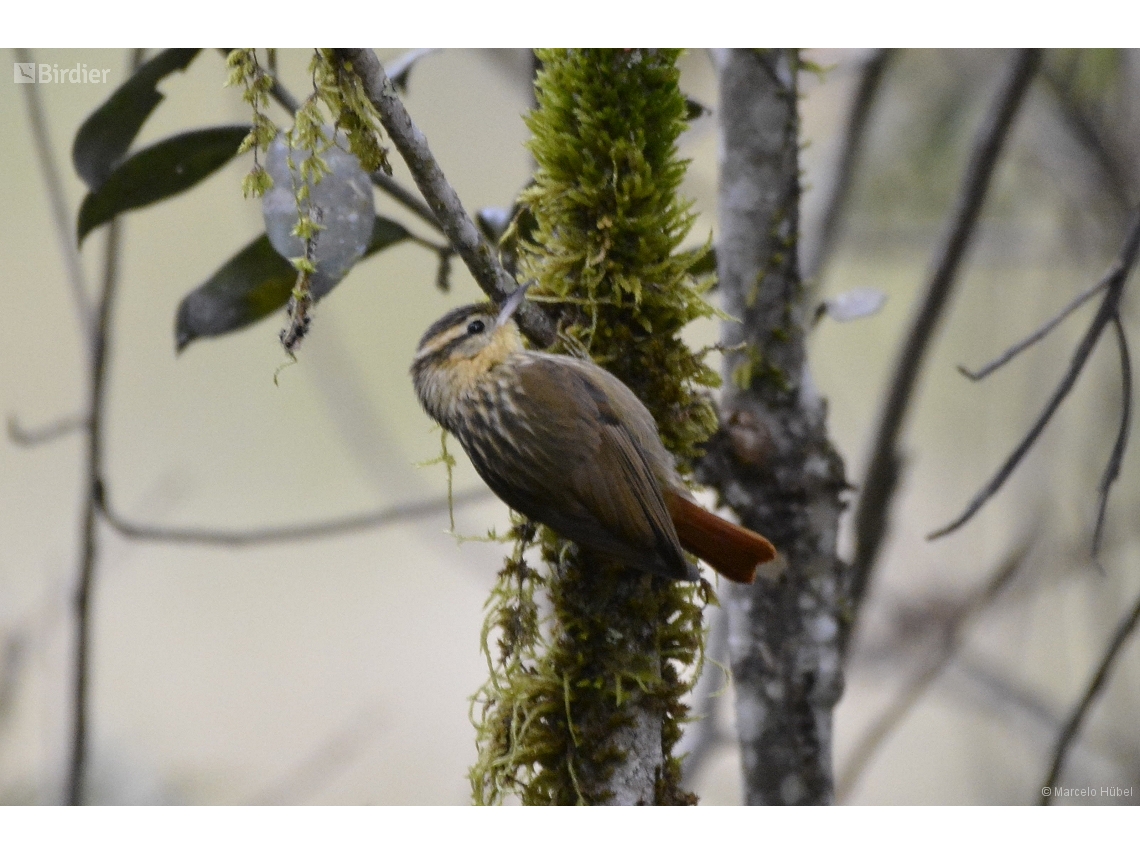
<point x="583" y="704"/>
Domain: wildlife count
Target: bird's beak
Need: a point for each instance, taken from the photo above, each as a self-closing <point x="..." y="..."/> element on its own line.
<point x="511" y="304"/>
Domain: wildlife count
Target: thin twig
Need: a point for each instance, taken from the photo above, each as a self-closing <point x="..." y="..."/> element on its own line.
<point x="1077" y="718"/>
<point x="855" y="134"/>
<point x="438" y="248"/>
<point x="406" y="198"/>
<point x="479" y="256"/>
<point x="1112" y="470"/>
<point x="1109" y="307"/>
<point x="283" y="534"/>
<point x="873" y="513"/>
<point x="45" y="433"/>
<point x="952" y="632"/>
<point x="1044" y="330"/>
<point x="977" y="679"/>
<point x="77" y="765"/>
<point x="283" y="96"/>
<point x="61" y="218"/>
<point x="1000" y="693"/>
<point x="77" y="768"/>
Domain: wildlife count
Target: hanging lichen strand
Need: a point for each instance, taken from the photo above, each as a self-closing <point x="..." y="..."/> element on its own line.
<point x="591" y="660"/>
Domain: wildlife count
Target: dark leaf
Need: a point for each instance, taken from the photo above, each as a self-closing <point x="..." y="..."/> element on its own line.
<point x="254" y="283"/>
<point x="385" y="232"/>
<point x="156" y="173"/>
<point x="107" y="133"/>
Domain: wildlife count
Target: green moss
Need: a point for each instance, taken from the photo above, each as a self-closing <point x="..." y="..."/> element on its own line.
<point x="581" y="647"/>
<point x="756" y="370"/>
<point x="246" y="71"/>
<point x="342" y="91"/>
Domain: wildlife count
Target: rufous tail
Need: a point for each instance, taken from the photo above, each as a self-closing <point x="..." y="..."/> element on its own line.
<point x="730" y="550"/>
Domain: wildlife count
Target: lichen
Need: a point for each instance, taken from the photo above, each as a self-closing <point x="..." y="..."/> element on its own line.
<point x="583" y="649"/>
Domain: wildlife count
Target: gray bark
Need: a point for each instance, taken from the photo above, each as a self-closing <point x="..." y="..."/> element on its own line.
<point x="477" y="253"/>
<point x="772" y="462"/>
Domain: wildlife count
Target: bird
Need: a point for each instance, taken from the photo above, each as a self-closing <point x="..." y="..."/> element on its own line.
<point x="567" y="444"/>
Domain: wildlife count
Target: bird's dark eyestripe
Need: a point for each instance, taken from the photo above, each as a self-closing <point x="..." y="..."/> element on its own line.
<point x="451" y="319"/>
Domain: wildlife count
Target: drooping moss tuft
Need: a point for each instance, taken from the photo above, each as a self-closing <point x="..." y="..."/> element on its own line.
<point x="343" y="92"/>
<point x="586" y="653"/>
<point x="246" y="71"/>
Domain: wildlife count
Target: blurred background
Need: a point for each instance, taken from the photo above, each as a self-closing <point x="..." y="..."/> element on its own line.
<point x="339" y="670"/>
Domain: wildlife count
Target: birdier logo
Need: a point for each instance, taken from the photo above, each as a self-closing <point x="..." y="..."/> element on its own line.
<point x="46" y="72"/>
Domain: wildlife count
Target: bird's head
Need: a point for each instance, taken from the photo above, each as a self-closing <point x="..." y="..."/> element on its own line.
<point x="460" y="349"/>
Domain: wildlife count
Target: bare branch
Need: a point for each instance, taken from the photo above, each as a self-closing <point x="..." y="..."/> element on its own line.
<point x="952" y="632"/>
<point x="77" y="766"/>
<point x="45" y="433"/>
<point x="405" y="197"/>
<point x="984" y="683"/>
<point x="1077" y="718"/>
<point x="61" y="218"/>
<point x="284" y="534"/>
<point x="872" y="515"/>
<point x="479" y="256"/>
<point x="784" y="638"/>
<point x="855" y="134"/>
<point x="1109" y="307"/>
<point x="1112" y="470"/>
<point x="1044" y="330"/>
<point x="96" y="385"/>
<point x="77" y="769"/>
<point x="280" y="94"/>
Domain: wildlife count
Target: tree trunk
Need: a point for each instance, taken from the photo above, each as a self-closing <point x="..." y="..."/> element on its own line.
<point x="771" y="462"/>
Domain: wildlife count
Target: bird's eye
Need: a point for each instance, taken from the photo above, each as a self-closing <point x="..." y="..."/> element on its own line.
<point x="476" y="327"/>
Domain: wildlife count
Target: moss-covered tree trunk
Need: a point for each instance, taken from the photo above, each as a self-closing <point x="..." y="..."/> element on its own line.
<point x="772" y="462"/>
<point x="592" y="658"/>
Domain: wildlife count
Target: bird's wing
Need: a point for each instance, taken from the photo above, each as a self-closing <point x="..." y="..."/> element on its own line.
<point x="593" y="456"/>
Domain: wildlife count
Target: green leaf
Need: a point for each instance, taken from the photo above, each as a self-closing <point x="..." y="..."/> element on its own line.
<point x="105" y="136"/>
<point x="156" y="173"/>
<point x="254" y="283"/>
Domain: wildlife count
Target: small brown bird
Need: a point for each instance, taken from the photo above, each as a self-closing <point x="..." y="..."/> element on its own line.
<point x="567" y="444"/>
